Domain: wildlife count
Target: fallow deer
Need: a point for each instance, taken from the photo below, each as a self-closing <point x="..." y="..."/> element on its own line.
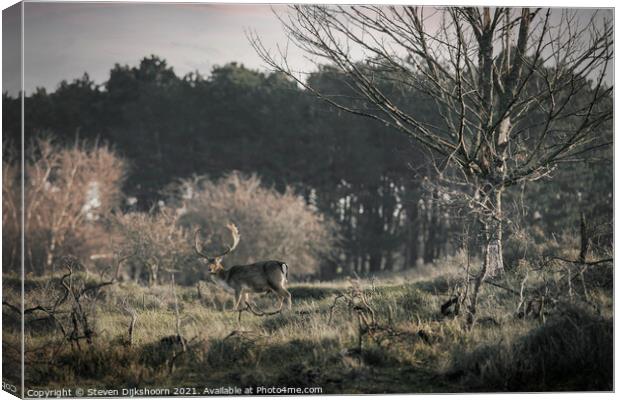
<point x="260" y="277"/>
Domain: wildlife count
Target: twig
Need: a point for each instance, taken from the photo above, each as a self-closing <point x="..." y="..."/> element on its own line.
<point x="178" y="327"/>
<point x="331" y="309"/>
<point x="134" y="317"/>
<point x="584" y="262"/>
<point x="176" y="313"/>
<point x="497" y="285"/>
<point x="260" y="313"/>
<point x="521" y="297"/>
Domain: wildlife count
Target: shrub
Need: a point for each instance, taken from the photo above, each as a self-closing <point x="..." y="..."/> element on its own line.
<point x="155" y="244"/>
<point x="67" y="192"/>
<point x="273" y="225"/>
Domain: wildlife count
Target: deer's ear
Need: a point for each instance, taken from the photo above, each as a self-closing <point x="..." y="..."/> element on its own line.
<point x="218" y="260"/>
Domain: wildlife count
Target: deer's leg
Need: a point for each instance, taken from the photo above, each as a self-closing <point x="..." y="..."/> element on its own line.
<point x="279" y="297"/>
<point x="289" y="299"/>
<point x="239" y="294"/>
<point x="246" y="299"/>
<point x="284" y="294"/>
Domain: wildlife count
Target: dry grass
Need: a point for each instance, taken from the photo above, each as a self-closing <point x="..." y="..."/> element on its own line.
<point x="422" y="351"/>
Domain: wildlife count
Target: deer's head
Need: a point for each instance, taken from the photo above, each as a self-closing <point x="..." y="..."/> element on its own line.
<point x="214" y="262"/>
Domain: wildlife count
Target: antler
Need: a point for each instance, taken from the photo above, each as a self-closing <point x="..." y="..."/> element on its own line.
<point x="235" y="236"/>
<point x="200" y="253"/>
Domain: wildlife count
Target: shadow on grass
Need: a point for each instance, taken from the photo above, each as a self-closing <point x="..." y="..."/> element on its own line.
<point x="571" y="352"/>
<point x="312" y="292"/>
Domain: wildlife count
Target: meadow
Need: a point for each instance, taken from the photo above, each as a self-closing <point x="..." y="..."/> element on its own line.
<point x="396" y="333"/>
<point x="441" y="201"/>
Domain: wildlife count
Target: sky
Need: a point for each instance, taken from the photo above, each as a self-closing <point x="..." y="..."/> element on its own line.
<point x="11" y="49"/>
<point x="64" y="40"/>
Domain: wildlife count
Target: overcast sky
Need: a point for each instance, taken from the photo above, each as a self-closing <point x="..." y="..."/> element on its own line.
<point x="64" y="40"/>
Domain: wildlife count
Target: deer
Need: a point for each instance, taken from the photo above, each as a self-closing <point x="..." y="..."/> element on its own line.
<point x="260" y="277"/>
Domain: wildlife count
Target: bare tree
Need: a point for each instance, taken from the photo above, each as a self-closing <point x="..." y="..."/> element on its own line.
<point x="67" y="191"/>
<point x="520" y="91"/>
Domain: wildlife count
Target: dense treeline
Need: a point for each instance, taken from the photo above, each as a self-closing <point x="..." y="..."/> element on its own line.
<point x="356" y="171"/>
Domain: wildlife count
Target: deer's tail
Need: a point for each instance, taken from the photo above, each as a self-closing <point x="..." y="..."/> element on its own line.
<point x="284" y="269"/>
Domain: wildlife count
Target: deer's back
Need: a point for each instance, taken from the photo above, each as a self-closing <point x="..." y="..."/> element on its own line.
<point x="258" y="277"/>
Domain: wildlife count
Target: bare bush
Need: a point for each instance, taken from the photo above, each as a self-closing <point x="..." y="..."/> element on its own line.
<point x="153" y="243"/>
<point x="273" y="225"/>
<point x="57" y="311"/>
<point x="67" y="191"/>
<point x="11" y="215"/>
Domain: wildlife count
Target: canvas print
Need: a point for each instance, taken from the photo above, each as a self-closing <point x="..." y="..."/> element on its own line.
<point x="255" y="199"/>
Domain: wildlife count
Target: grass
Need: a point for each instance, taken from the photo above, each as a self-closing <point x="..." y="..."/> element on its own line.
<point x="423" y="352"/>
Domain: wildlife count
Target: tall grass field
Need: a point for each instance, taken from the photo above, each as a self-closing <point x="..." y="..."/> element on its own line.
<point x="330" y="342"/>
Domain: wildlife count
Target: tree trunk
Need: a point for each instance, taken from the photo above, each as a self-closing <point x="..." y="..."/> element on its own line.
<point x="493" y="232"/>
<point x="49" y="259"/>
<point x="493" y="263"/>
<point x="411" y="246"/>
<point x="583" y="253"/>
<point x="327" y="270"/>
<point x="389" y="261"/>
<point x="375" y="260"/>
<point x="431" y="245"/>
